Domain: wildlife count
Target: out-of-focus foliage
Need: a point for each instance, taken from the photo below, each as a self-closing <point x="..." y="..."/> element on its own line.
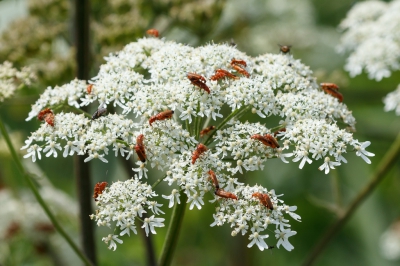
<point x="44" y="39"/>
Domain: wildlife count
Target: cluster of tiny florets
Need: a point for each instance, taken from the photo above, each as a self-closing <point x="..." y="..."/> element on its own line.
<point x="121" y="204"/>
<point x="173" y="101"/>
<point x="392" y="101"/>
<point x="11" y="79"/>
<point x="372" y="36"/>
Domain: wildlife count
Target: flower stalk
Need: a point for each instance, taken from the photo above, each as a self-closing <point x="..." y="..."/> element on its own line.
<point x="173" y="232"/>
<point x="39" y="198"/>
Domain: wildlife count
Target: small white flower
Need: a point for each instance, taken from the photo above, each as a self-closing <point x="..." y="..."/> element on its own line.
<point x="363" y="153"/>
<point x="154" y="207"/>
<point x="328" y="165"/>
<point x="196" y="200"/>
<point x="141" y="170"/>
<point x="32" y="150"/>
<point x="303" y="156"/>
<point x="259" y="240"/>
<point x="127" y="227"/>
<point x="112" y="239"/>
<point x="174" y="196"/>
<point x="283" y="236"/>
<point x="150" y="223"/>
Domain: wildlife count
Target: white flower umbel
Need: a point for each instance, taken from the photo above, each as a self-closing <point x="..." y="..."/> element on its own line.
<point x="121" y="204"/>
<point x="392" y="101"/>
<point x="150" y="76"/>
<point x="11" y="79"/>
<point x="371" y="36"/>
<point x="248" y="214"/>
<point x="70" y="92"/>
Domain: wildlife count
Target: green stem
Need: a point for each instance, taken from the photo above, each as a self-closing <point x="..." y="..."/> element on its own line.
<point x="276" y="128"/>
<point x="80" y="111"/>
<point x="39" y="197"/>
<point x="173" y="232"/>
<point x="336" y="188"/>
<point x="237" y="112"/>
<point x="158" y="181"/>
<point x="384" y="166"/>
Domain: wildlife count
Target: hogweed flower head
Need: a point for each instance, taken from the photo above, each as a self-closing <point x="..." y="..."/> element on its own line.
<point x="371" y="35"/>
<point x="167" y="96"/>
<point x="372" y="38"/>
<point x="11" y="79"/>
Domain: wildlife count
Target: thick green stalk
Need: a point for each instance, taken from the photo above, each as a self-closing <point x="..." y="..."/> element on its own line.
<point x="173" y="232"/>
<point x="39" y="198"/>
<point x="384" y="166"/>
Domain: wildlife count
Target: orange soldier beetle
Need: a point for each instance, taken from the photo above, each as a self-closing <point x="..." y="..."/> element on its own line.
<point x="221" y="73"/>
<point x="267" y="140"/>
<point x="264" y="199"/>
<point x="198" y="81"/>
<point x="238" y="62"/>
<point x="153" y="32"/>
<point x="139" y="148"/>
<point x="89" y="88"/>
<point x="98" y="189"/>
<point x="225" y="194"/>
<point x="206" y="130"/>
<point x="235" y="65"/>
<point x="46" y="115"/>
<point x="213" y="177"/>
<point x="273" y="143"/>
<point x="333" y="90"/>
<point x="161" y="116"/>
<point x="201" y="148"/>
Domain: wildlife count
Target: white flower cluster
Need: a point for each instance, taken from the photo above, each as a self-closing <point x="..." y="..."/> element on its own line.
<point x="247" y="214"/>
<point x="173" y="92"/>
<point x="392" y="101"/>
<point x="11" y="78"/>
<point x="70" y="92"/>
<point x="372" y="36"/>
<point x="331" y="143"/>
<point x="123" y="202"/>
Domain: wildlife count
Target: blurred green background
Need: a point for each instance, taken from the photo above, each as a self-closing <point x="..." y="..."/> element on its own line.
<point x="256" y="26"/>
